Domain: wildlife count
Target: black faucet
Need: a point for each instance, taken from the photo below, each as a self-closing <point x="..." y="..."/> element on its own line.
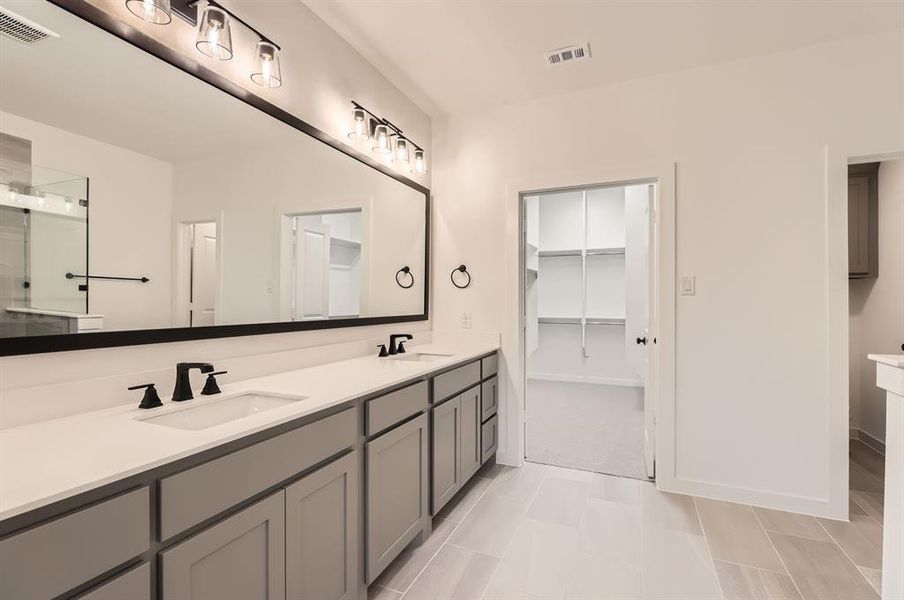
<point x="182" y="391"/>
<point x="393" y="349"/>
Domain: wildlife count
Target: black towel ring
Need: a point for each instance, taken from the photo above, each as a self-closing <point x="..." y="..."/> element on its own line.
<point x="461" y="269"/>
<point x="406" y="270"/>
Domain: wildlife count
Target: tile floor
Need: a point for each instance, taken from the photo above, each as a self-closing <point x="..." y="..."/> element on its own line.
<point x="544" y="533"/>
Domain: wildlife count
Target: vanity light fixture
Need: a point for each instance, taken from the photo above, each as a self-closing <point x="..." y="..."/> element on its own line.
<point x="214" y="33"/>
<point x="420" y="165"/>
<point x="387" y="139"/>
<point x="382" y="139"/>
<point x="401" y="153"/>
<point x="362" y="123"/>
<point x="157" y="12"/>
<point x="266" y="65"/>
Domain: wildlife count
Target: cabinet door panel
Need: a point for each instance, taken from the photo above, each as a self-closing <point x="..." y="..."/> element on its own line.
<point x="240" y="558"/>
<point x="445" y="443"/>
<point x="322" y="533"/>
<point x="134" y="584"/>
<point x="396" y="492"/>
<point x="469" y="446"/>
<point x="489" y="398"/>
<point x="858" y="225"/>
<point x="489" y="438"/>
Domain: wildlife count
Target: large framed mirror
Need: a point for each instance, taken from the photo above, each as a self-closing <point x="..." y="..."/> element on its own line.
<point x="144" y="199"/>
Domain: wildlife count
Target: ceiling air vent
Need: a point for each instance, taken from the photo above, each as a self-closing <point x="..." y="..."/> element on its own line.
<point x="21" y="29"/>
<point x="568" y="54"/>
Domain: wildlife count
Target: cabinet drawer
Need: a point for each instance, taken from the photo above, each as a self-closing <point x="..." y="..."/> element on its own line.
<point x="57" y="556"/>
<point x="455" y="381"/>
<point x="134" y="584"/>
<point x="489" y="398"/>
<point x="192" y="496"/>
<point x="395" y="407"/>
<point x="489" y="437"/>
<point x="489" y="366"/>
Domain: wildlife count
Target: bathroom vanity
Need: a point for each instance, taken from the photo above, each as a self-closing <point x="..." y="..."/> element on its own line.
<point x="311" y="498"/>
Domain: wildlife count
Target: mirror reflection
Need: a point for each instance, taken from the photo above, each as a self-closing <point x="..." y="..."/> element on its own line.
<point x="152" y="199"/>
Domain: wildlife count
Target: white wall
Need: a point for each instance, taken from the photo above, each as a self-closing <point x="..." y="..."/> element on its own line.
<point x="129" y="212"/>
<point x="758" y="383"/>
<point x="877" y="306"/>
<point x="322" y="74"/>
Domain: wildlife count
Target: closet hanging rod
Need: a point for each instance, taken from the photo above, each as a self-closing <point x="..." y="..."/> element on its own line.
<point x="577" y="321"/>
<point x="590" y="252"/>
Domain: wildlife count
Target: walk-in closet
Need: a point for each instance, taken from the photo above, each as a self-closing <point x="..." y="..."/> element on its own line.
<point x="586" y="297"/>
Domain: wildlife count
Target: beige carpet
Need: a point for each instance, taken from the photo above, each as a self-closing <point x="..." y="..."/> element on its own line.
<point x="586" y="426"/>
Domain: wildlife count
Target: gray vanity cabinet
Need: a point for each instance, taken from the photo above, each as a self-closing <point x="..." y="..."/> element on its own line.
<point x="489" y="398"/>
<point x="322" y="533"/>
<point x="397" y="489"/>
<point x="242" y="557"/>
<point x="446" y="445"/>
<point x="469" y="445"/>
<point x="134" y="584"/>
<point x="863" y="221"/>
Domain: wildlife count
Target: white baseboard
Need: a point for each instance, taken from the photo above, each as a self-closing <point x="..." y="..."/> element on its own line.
<point x="586" y="379"/>
<point x="868" y="439"/>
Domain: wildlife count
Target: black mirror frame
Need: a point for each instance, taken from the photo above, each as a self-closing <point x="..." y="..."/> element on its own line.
<point x="110" y="339"/>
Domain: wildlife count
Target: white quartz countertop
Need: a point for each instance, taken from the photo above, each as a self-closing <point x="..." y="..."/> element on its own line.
<point x="893" y="360"/>
<point x="45" y="462"/>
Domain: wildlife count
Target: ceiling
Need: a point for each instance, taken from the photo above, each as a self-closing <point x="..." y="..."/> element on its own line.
<point x="451" y="56"/>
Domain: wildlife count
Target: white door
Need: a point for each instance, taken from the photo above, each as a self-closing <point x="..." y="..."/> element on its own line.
<point x="204" y="274"/>
<point x="651" y="349"/>
<point x="312" y="264"/>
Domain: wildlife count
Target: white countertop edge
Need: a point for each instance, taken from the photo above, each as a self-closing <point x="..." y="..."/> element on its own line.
<point x="126" y="414"/>
<point x="892" y="360"/>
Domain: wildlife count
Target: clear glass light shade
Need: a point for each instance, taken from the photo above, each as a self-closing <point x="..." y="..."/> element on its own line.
<point x="359" y="126"/>
<point x="401" y="154"/>
<point x="152" y="11"/>
<point x="420" y="164"/>
<point x="266" y="66"/>
<point x="382" y="141"/>
<point x="214" y="35"/>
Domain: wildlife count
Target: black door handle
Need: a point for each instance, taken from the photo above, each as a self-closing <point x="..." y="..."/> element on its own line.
<point x="642" y="340"/>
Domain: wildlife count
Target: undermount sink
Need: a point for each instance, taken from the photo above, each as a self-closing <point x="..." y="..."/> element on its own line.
<point x="221" y="410"/>
<point x="421" y="357"/>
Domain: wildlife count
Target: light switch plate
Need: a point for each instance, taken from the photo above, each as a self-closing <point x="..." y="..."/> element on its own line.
<point x="688" y="285"/>
<point x="465" y="320"/>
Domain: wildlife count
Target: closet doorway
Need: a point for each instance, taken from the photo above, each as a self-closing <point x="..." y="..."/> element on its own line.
<point x="588" y="279"/>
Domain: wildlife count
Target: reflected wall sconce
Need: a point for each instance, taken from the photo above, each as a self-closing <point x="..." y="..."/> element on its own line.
<point x="387" y="139"/>
<point x="158" y="12"/>
<point x="214" y="37"/>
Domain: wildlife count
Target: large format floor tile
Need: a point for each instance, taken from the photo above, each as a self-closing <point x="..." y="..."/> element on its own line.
<point x="748" y="583"/>
<point x="402" y="572"/>
<point x="560" y="501"/>
<point x="465" y="500"/>
<point x="669" y="511"/>
<point x="860" y="539"/>
<point x="867" y="458"/>
<point x="615" y="489"/>
<point x="791" y="523"/>
<point x="490" y="525"/>
<point x="521" y="483"/>
<point x="820" y="570"/>
<point x="677" y="566"/>
<point x="734" y="534"/>
<point x="609" y="530"/>
<point x="453" y="573"/>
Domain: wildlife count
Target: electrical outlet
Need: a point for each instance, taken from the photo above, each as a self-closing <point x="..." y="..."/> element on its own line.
<point x="688" y="285"/>
<point x="465" y="320"/>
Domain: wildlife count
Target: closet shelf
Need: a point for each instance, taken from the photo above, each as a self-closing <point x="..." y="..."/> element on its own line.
<point x="577" y="321"/>
<point x="590" y="252"/>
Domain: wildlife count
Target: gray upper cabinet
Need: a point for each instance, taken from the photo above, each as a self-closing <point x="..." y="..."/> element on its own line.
<point x="322" y="533"/>
<point x="446" y="445"/>
<point x="242" y="557"/>
<point x="397" y="489"/>
<point x="469" y="446"/>
<point x="863" y="221"/>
